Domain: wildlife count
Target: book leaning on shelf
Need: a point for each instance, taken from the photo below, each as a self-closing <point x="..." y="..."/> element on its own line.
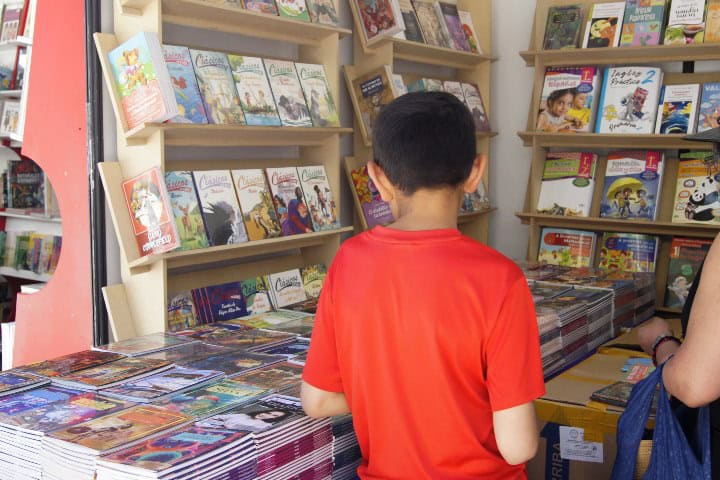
<point x="187" y="92"/>
<point x="697" y="197"/>
<point x="566" y="247"/>
<point x="568" y="182"/>
<point x="412" y="30"/>
<point x="678" y="109"/>
<point x="374" y="209"/>
<point x="709" y="109"/>
<point x="604" y="25"/>
<point x="186" y="210"/>
<point x="643" y="23"/>
<point x="686" y="22"/>
<point x="632" y="185"/>
<point x="629" y="100"/>
<point x="432" y="23"/>
<point x="379" y="19"/>
<point x="628" y="252"/>
<point x="370" y="93"/>
<point x="686" y="256"/>
<point x="568" y="100"/>
<point x="563" y="27"/>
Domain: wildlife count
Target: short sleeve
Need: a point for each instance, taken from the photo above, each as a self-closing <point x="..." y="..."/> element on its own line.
<point x="514" y="363"/>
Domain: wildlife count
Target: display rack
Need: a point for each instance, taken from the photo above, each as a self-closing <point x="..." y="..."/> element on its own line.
<point x="139" y="306"/>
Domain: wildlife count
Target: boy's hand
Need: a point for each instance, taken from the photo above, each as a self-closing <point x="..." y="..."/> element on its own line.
<point x="650" y="330"/>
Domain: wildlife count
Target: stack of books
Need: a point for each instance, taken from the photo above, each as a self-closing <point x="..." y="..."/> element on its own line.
<point x="599" y="308"/>
<point x="146" y="344"/>
<point x="112" y="374"/>
<point x="163" y="385"/>
<point x="550" y="343"/>
<point x="279" y="377"/>
<point x="232" y="363"/>
<point x="572" y="324"/>
<point x="346" y="451"/>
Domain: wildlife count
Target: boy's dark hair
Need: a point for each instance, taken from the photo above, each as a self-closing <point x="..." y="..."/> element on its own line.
<point x="425" y="140"/>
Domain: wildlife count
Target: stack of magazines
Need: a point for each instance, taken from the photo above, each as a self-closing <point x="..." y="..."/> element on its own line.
<point x="346" y="451"/>
<point x="572" y="322"/>
<point x="232" y="363"/>
<point x="278" y="378"/>
<point x="112" y="373"/>
<point x="163" y="385"/>
<point x="599" y="304"/>
<point x="151" y="343"/>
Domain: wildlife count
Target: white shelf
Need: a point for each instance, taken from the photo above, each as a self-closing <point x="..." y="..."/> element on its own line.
<point x="27" y="216"/>
<point x="10" y="93"/>
<point x="24" y="274"/>
<point x="18" y="42"/>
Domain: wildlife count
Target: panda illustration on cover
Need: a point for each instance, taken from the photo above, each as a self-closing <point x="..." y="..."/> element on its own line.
<point x="704" y="203"/>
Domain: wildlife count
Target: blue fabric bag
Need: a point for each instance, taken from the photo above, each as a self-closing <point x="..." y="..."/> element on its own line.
<point x="673" y="457"/>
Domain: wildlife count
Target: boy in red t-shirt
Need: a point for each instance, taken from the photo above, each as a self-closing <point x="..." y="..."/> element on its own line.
<point x="427" y="337"/>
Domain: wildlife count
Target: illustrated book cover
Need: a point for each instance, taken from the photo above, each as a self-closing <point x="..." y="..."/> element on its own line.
<point x="632" y="184"/>
<point x="375" y="210"/>
<point x="629" y="100"/>
<point x="10" y="118"/>
<point x="144" y="344"/>
<point x="295" y="9"/>
<point x="220" y="208"/>
<point x="245" y="419"/>
<point x="453" y="87"/>
<point x="370" y="93"/>
<point x="319" y="199"/>
<point x="563" y="27"/>
<point x="568" y="181"/>
<point x="259" y="215"/>
<point x="712" y="21"/>
<point x="25" y="186"/>
<point x="412" y="30"/>
<point x="13" y="382"/>
<point x="453" y="25"/>
<point x="70" y="363"/>
<point x="11" y="17"/>
<point x="274" y="377"/>
<point x="474" y="102"/>
<point x="161" y="385"/>
<point x="217" y="87"/>
<point x="569" y="99"/>
<point x="323" y="12"/>
<point x="257" y="295"/>
<point x="262" y="6"/>
<point x="469" y="29"/>
<point x="709" y="111"/>
<point x="697" y="191"/>
<point x="686" y="257"/>
<point x="187" y="92"/>
<point x="379" y="19"/>
<point x="112" y="373"/>
<point x="186" y="210"/>
<point x="566" y="247"/>
<point x="181" y="312"/>
<point x="432" y="23"/>
<point x="288" y="93"/>
<point x="194" y="350"/>
<point x="678" y="109"/>
<point x="247" y="340"/>
<point x="643" y="23"/>
<point x="686" y="22"/>
<point x="256" y="98"/>
<point x="217" y="303"/>
<point x="16" y="403"/>
<point x="313" y="277"/>
<point x="475" y="201"/>
<point x="317" y="95"/>
<point x="212" y="399"/>
<point x="604" y="25"/>
<point x="629" y="252"/>
<point x="8" y="60"/>
<point x="287" y="194"/>
<point x="287" y="288"/>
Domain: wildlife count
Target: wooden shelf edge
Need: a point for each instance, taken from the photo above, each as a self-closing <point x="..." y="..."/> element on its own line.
<point x="603" y="140"/>
<point x="470" y="216"/>
<point x="25" y="274"/>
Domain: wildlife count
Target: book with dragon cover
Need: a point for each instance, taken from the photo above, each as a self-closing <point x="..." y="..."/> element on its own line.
<point x="259" y="215"/>
<point x="186" y="210"/>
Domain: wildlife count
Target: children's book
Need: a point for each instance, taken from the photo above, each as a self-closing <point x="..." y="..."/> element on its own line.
<point x="162" y="385"/>
<point x="454" y="88"/>
<point x="475" y="201"/>
<point x="697" y="196"/>
<point x="242" y="342"/>
<point x="11" y="15"/>
<point x="10" y="118"/>
<point x="26" y="186"/>
<point x="186" y="210"/>
<point x="375" y="210"/>
<point x="469" y="29"/>
<point x="563" y="27"/>
<point x="370" y="93"/>
<point x="219" y="207"/>
<point x="313" y="277"/>
<point x="291" y="350"/>
<point x="218" y="303"/>
<point x="181" y="312"/>
<point x="275" y="377"/>
<point x="262" y="6"/>
<point x="629" y="252"/>
<point x="295" y="9"/>
<point x="678" y="109"/>
<point x="187" y="92"/>
<point x="453" y="26"/>
<point x="244" y="418"/>
<point x="144" y="344"/>
<point x="150" y="213"/>
<point x="643" y="23"/>
<point x="412" y="27"/>
<point x="604" y="24"/>
<point x="432" y="23"/>
<point x="629" y="100"/>
<point x="686" y="22"/>
<point x="287" y="288"/>
<point x="568" y="182"/>
<point x="257" y="295"/>
<point x="569" y="99"/>
<point x="14" y="382"/>
<point x="217" y="87"/>
<point x="323" y="12"/>
<point x="567" y="248"/>
<point x="113" y="373"/>
<point x="379" y="19"/>
<point x="474" y="102"/>
<point x="288" y="93"/>
<point x="319" y="199"/>
<point x="193" y="350"/>
<point x="8" y="60"/>
<point x="253" y="192"/>
<point x="632" y="184"/>
<point x="709" y="115"/>
<point x="686" y="257"/>
<point x="252" y="85"/>
<point x="239" y="359"/>
<point x="142" y="80"/>
<point x="20" y="66"/>
<point x="399" y="84"/>
<point x="70" y="363"/>
<point x="17" y="403"/>
<point x="712" y="22"/>
<point x="290" y="205"/>
<point x="317" y="95"/>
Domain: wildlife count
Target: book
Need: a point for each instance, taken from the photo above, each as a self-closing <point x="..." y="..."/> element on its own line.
<point x="568" y="182"/>
<point x="632" y="184"/>
<point x="319" y="199"/>
<point x="378" y="19"/>
<point x="274" y="377"/>
<point x="211" y="400"/>
<point x="219" y="206"/>
<point x="142" y="81"/>
<point x="26" y="186"/>
<point x="217" y="87"/>
<point x="288" y="93"/>
<point x="19" y="402"/>
<point x="144" y="344"/>
<point x="629" y="100"/>
<point x="685" y="23"/>
<point x="111" y="374"/>
<point x="370" y="93"/>
<point x="469" y="30"/>
<point x="11" y="15"/>
<point x="317" y="95"/>
<point x="181" y="312"/>
<point x="375" y="210"/>
<point x="426" y="85"/>
<point x="262" y="6"/>
<point x="14" y="382"/>
<point x="475" y="201"/>
<point x="313" y="277"/>
<point x="8" y="61"/>
<point x="323" y="12"/>
<point x="289" y="201"/>
<point x="709" y="110"/>
<point x="566" y="247"/>
<point x="70" y="363"/>
<point x="642" y="23"/>
<point x="295" y="9"/>
<point x="257" y="295"/>
<point x="287" y="288"/>
<point x="162" y="385"/>
<point x="563" y="27"/>
<point x="453" y="25"/>
<point x="188" y="351"/>
<point x="187" y="92"/>
<point x="399" y="84"/>
<point x="10" y="118"/>
<point x="216" y="303"/>
<point x="18" y="77"/>
<point x="186" y="210"/>
<point x="412" y="30"/>
<point x="678" y="109"/>
<point x="243" y="342"/>
<point x="432" y="23"/>
<point x="604" y="24"/>
<point x="697" y="197"/>
<point x="629" y="252"/>
<point x="686" y="257"/>
<point x="253" y="193"/>
<point x="712" y="22"/>
<point x="474" y="102"/>
<point x="256" y="98"/>
<point x="454" y="88"/>
<point x="150" y="213"/>
<point x="569" y="99"/>
<point x="616" y="394"/>
<point x="245" y="418"/>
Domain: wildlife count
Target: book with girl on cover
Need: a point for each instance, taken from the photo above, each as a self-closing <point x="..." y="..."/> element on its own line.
<point x="217" y="87"/>
<point x="632" y="184"/>
<point x="289" y="201"/>
<point x="186" y="210"/>
<point x="259" y="215"/>
<point x="568" y="182"/>
<point x="568" y="100"/>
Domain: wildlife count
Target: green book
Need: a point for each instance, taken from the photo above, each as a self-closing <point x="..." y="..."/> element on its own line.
<point x="295" y="9"/>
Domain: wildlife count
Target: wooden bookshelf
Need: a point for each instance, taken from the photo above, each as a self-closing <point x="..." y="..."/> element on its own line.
<point x="607" y="140"/>
<point x="24" y="274"/>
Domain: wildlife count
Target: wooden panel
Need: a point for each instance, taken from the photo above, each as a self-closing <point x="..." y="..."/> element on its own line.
<point x="623" y="55"/>
<point x="119" y="316"/>
<point x="614" y="141"/>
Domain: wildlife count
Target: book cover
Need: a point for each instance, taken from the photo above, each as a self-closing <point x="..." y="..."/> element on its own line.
<point x="431" y="23"/>
<point x="10" y="118"/>
<point x="11" y="15"/>
<point x="632" y="184"/>
<point x="144" y="344"/>
<point x="474" y="102"/>
<point x="686" y="22"/>
<point x="187" y="92"/>
<point x="697" y="195"/>
<point x="270" y="412"/>
<point x="712" y="22"/>
<point x="262" y="6"/>
<point x="287" y="288"/>
<point x="285" y="320"/>
<point x="371" y="92"/>
<point x="709" y="110"/>
<point x="569" y="99"/>
<point x="186" y="210"/>
<point x="241" y="340"/>
<point x="211" y="400"/>
<point x="375" y="210"/>
<point x="629" y="252"/>
<point x="317" y="95"/>
<point x="183" y="353"/>
<point x="217" y="87"/>
<point x="399" y="84"/>
<point x="319" y="199"/>
<point x="379" y="18"/>
<point x="643" y="23"/>
<point x="290" y="206"/>
<point x="412" y="27"/>
<point x="150" y="213"/>
<point x="290" y="350"/>
<point x="259" y="215"/>
<point x="252" y="85"/>
<point x="219" y="206"/>
<point x="678" y="109"/>
<point x="26" y="185"/>
<point x="455" y="89"/>
<point x="181" y="312"/>
<point x="13" y="382"/>
<point x="257" y="295"/>
<point x="142" y="80"/>
<point x="563" y="27"/>
<point x="222" y="302"/>
<point x="566" y="247"/>
<point x="475" y="201"/>
<point x="154" y="387"/>
<point x="274" y="377"/>
<point x="617" y="394"/>
<point x="686" y="257"/>
<point x="629" y="100"/>
<point x="469" y="30"/>
<point x="18" y="77"/>
<point x="323" y="12"/>
<point x="16" y="403"/>
<point x="295" y="9"/>
<point x="568" y="181"/>
<point x="112" y="373"/>
<point x="313" y="277"/>
<point x="426" y="85"/>
<point x="604" y="25"/>
<point x="8" y="60"/>
<point x="457" y="36"/>
<point x="288" y="93"/>
<point x="70" y="363"/>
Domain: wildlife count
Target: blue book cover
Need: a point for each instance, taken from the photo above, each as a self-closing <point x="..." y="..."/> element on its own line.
<point x="220" y="302"/>
<point x="629" y="252"/>
<point x="40" y="397"/>
<point x="632" y="185"/>
<point x="709" y="116"/>
<point x="187" y="92"/>
<point x="186" y="210"/>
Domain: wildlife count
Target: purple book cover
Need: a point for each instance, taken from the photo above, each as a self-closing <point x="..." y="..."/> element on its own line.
<point x="20" y="402"/>
<point x="220" y="302"/>
<point x="454" y="25"/>
<point x="375" y="210"/>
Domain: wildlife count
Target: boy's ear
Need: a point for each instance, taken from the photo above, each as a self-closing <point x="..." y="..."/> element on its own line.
<point x="383" y="184"/>
<point x="476" y="174"/>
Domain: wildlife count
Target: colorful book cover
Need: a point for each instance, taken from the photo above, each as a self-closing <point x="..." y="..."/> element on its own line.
<point x="313" y="277"/>
<point x="288" y="93"/>
<point x="567" y="248"/>
<point x="290" y="350"/>
<point x="678" y="109"/>
<point x="629" y="252"/>
<point x="20" y="66"/>
<point x="317" y="95"/>
<point x="426" y="85"/>
<point x="686" y="22"/>
<point x="454" y="26"/>
<point x="378" y="18"/>
<point x="474" y="102"/>
<point x="186" y="210"/>
<point x="295" y="9"/>
<point x="259" y="215"/>
<point x="154" y="387"/>
<point x="375" y="210"/>
<point x="213" y="399"/>
<point x="712" y="22"/>
<point x="643" y="23"/>
<point x="150" y="213"/>
<point x="697" y="195"/>
<point x="629" y="100"/>
<point x="568" y="100"/>
<point x="257" y="295"/>
<point x="13" y="382"/>
<point x="287" y="288"/>
<point x="206" y="332"/>
<point x="26" y="185"/>
<point x="563" y="27"/>
<point x="371" y="92"/>
<point x="431" y="23"/>
<point x="323" y="12"/>
<point x="195" y="351"/>
<point x="8" y="59"/>
<point x="142" y="80"/>
<point x="604" y="25"/>
<point x="112" y="373"/>
<point x="256" y="98"/>
<point x="455" y="89"/>
<point x="71" y="363"/>
<point x="412" y="27"/>
<point x="270" y="412"/>
<point x="469" y="30"/>
<point x="399" y="84"/>
<point x="187" y="92"/>
<point x="10" y="21"/>
<point x="632" y="184"/>
<point x="248" y="339"/>
<point x="293" y="213"/>
<point x="181" y="312"/>
<point x="10" y="118"/>
<point x="219" y="206"/>
<point x="568" y="181"/>
<point x="319" y="199"/>
<point x="262" y="6"/>
<point x="274" y="319"/>
<point x="274" y="377"/>
<point x="144" y="344"/>
<point x="217" y="88"/>
<point x="15" y="403"/>
<point x="220" y="302"/>
<point x="709" y="116"/>
<point x="475" y="201"/>
<point x="686" y="257"/>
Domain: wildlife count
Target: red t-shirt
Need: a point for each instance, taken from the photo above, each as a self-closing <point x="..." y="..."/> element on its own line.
<point x="427" y="333"/>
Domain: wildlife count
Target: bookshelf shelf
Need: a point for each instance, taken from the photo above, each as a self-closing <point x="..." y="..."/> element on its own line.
<point x="10" y="93"/>
<point x="18" y="42"/>
<point x="601" y="140"/>
<point x="30" y="217"/>
<point x="24" y="274"/>
<point x="469" y="217"/>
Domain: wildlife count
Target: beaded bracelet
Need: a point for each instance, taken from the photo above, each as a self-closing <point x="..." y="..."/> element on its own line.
<point x="659" y="341"/>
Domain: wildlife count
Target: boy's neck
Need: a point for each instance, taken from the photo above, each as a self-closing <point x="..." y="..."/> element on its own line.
<point x="427" y="210"/>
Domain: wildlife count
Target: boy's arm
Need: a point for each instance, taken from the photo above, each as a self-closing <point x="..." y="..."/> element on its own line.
<point x="516" y="433"/>
<point x="319" y="403"/>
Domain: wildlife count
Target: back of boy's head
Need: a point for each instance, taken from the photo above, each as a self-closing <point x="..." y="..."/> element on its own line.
<point x="425" y="140"/>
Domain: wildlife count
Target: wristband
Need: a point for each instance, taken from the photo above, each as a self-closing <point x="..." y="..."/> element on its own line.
<point x="659" y="341"/>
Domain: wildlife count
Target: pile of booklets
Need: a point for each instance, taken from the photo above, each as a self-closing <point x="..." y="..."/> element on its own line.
<point x="346" y="451"/>
<point x="571" y="325"/>
<point x="548" y="321"/>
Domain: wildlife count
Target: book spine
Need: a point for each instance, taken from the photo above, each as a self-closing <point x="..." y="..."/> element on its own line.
<point x="601" y="102"/>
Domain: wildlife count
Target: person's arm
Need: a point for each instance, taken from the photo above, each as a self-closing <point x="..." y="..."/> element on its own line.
<point x="319" y="403"/>
<point x="516" y="433"/>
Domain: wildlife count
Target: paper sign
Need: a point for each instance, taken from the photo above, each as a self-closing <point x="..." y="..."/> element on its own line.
<point x="574" y="447"/>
